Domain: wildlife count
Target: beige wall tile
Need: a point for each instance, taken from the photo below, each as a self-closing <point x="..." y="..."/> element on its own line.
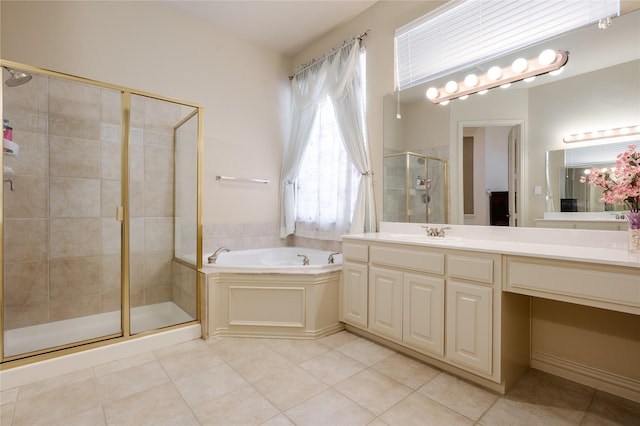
<point x="74" y="277"/>
<point x="64" y="125"/>
<point x="159" y="114"/>
<point x="74" y="99"/>
<point x="157" y="294"/>
<point x="137" y="234"/>
<point x="16" y="316"/>
<point x="30" y="198"/>
<point x="110" y="302"/>
<point x="136" y="163"/>
<point x="110" y="273"/>
<point x="111" y="106"/>
<point x="75" y="237"/>
<point x="136" y="198"/>
<point x="71" y="157"/>
<point x="158" y="164"/>
<point x="110" y="197"/>
<point x="157" y="268"/>
<point x="25" y="240"/>
<point x="25" y="283"/>
<point x="34" y="154"/>
<point x="111" y="236"/>
<point x="76" y="306"/>
<point x="159" y="137"/>
<point x="71" y="197"/>
<point x="158" y="234"/>
<point x="158" y="199"/>
<point x="136" y="271"/>
<point x="110" y="160"/>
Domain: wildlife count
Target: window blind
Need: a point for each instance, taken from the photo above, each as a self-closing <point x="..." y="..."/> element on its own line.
<point x="593" y="155"/>
<point x="464" y="33"/>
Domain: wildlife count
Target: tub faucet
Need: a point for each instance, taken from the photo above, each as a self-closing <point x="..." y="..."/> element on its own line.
<point x="214" y="256"/>
<point x="305" y="259"/>
<point x="331" y="260"/>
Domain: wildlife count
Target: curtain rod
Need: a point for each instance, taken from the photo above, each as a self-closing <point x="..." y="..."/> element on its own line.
<point x="333" y="51"/>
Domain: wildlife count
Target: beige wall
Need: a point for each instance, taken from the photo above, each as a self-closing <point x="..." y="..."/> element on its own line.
<point x="148" y="46"/>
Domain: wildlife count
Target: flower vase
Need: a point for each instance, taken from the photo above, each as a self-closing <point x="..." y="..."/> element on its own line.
<point x="633" y="219"/>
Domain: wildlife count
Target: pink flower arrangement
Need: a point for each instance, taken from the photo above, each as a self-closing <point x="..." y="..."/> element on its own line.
<point x="621" y="185"/>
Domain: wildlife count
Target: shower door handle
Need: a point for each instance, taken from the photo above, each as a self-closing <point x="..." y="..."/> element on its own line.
<point x="120" y="213"/>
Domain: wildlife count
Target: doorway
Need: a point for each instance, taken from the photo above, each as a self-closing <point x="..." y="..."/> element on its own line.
<point x="489" y="172"/>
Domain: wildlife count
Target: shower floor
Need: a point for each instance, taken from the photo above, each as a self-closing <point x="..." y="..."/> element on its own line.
<point x="143" y="318"/>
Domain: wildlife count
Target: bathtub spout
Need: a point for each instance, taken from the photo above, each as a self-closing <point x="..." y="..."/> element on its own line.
<point x="305" y="259"/>
<point x="214" y="256"/>
<point x="331" y="260"/>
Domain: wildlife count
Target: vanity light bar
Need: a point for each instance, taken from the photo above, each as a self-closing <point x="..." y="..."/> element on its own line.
<point x="521" y="69"/>
<point x="603" y="134"/>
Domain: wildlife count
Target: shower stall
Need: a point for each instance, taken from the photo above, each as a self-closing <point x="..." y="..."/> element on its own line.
<point x="100" y="205"/>
<point x="416" y="188"/>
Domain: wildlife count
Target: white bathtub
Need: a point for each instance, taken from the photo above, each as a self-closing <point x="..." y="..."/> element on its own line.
<point x="270" y="293"/>
<point x="283" y="260"/>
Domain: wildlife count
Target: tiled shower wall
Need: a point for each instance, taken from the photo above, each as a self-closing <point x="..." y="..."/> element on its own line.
<point x="62" y="241"/>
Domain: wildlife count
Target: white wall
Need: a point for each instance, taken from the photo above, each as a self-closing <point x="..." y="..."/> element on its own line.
<point x="148" y="46"/>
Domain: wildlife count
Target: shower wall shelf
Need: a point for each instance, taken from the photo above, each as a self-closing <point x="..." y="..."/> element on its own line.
<point x="247" y="180"/>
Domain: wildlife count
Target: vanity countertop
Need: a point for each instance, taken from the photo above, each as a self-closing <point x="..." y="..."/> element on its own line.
<point x="603" y="247"/>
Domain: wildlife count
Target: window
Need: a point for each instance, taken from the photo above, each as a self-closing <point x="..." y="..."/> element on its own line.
<point x="327" y="185"/>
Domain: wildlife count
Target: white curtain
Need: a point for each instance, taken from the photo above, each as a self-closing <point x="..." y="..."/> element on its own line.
<point x="333" y="76"/>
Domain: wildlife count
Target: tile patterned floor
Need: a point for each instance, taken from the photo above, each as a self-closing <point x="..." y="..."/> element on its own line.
<point x="338" y="380"/>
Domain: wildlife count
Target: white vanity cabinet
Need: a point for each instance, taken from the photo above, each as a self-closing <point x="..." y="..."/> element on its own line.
<point x="355" y="284"/>
<point x="443" y="305"/>
<point x="470" y="300"/>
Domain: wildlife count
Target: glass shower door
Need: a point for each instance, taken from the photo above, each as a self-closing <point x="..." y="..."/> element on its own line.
<point x="61" y="275"/>
<point x="162" y="152"/>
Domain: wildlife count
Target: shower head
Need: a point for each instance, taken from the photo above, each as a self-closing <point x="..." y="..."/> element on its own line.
<point x="16" y="78"/>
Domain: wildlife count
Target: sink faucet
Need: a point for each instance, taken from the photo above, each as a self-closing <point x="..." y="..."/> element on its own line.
<point x="435" y="232"/>
<point x="305" y="259"/>
<point x="331" y="260"/>
<point x="214" y="256"/>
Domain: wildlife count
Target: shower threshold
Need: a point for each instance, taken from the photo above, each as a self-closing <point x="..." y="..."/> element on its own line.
<point x="42" y="336"/>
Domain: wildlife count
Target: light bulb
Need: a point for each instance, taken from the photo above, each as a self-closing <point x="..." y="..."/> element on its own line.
<point x="608" y="132"/>
<point x="595" y="134"/>
<point x="462" y="98"/>
<point x="557" y="72"/>
<point x="444" y="103"/>
<point x="432" y="93"/>
<point x="568" y="138"/>
<point x="505" y="86"/>
<point x="482" y="92"/>
<point x="494" y="73"/>
<point x="451" y="87"/>
<point x="529" y="79"/>
<point x="580" y="136"/>
<point x="624" y="130"/>
<point x="547" y="57"/>
<point x="471" y="80"/>
<point x="587" y="171"/>
<point x="519" y="65"/>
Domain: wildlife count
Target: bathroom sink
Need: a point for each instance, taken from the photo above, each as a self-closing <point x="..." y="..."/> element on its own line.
<point x="417" y="238"/>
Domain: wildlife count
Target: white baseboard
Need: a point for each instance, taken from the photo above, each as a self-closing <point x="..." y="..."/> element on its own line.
<point x="606" y="381"/>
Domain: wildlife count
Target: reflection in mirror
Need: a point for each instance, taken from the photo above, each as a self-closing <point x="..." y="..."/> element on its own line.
<point x="416" y="188"/>
<point x="598" y="89"/>
<point x="565" y="167"/>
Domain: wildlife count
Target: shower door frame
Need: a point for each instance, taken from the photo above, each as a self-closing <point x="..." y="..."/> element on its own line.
<point x="123" y="217"/>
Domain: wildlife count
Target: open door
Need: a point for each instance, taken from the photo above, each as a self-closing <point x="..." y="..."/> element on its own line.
<point x="513" y="171"/>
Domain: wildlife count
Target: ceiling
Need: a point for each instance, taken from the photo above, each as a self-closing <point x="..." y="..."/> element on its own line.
<point x="284" y="26"/>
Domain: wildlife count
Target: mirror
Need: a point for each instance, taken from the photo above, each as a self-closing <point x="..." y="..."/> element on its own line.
<point x="598" y="89"/>
<point x="565" y="167"/>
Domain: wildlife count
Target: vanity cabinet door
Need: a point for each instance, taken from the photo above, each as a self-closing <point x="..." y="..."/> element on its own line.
<point x="469" y="325"/>
<point x="423" y="312"/>
<point x="385" y="302"/>
<point x="354" y="293"/>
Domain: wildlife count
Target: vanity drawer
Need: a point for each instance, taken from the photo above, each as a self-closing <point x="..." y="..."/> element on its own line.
<point x="357" y="252"/>
<point x="614" y="288"/>
<point x="414" y="259"/>
<point x="471" y="268"/>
